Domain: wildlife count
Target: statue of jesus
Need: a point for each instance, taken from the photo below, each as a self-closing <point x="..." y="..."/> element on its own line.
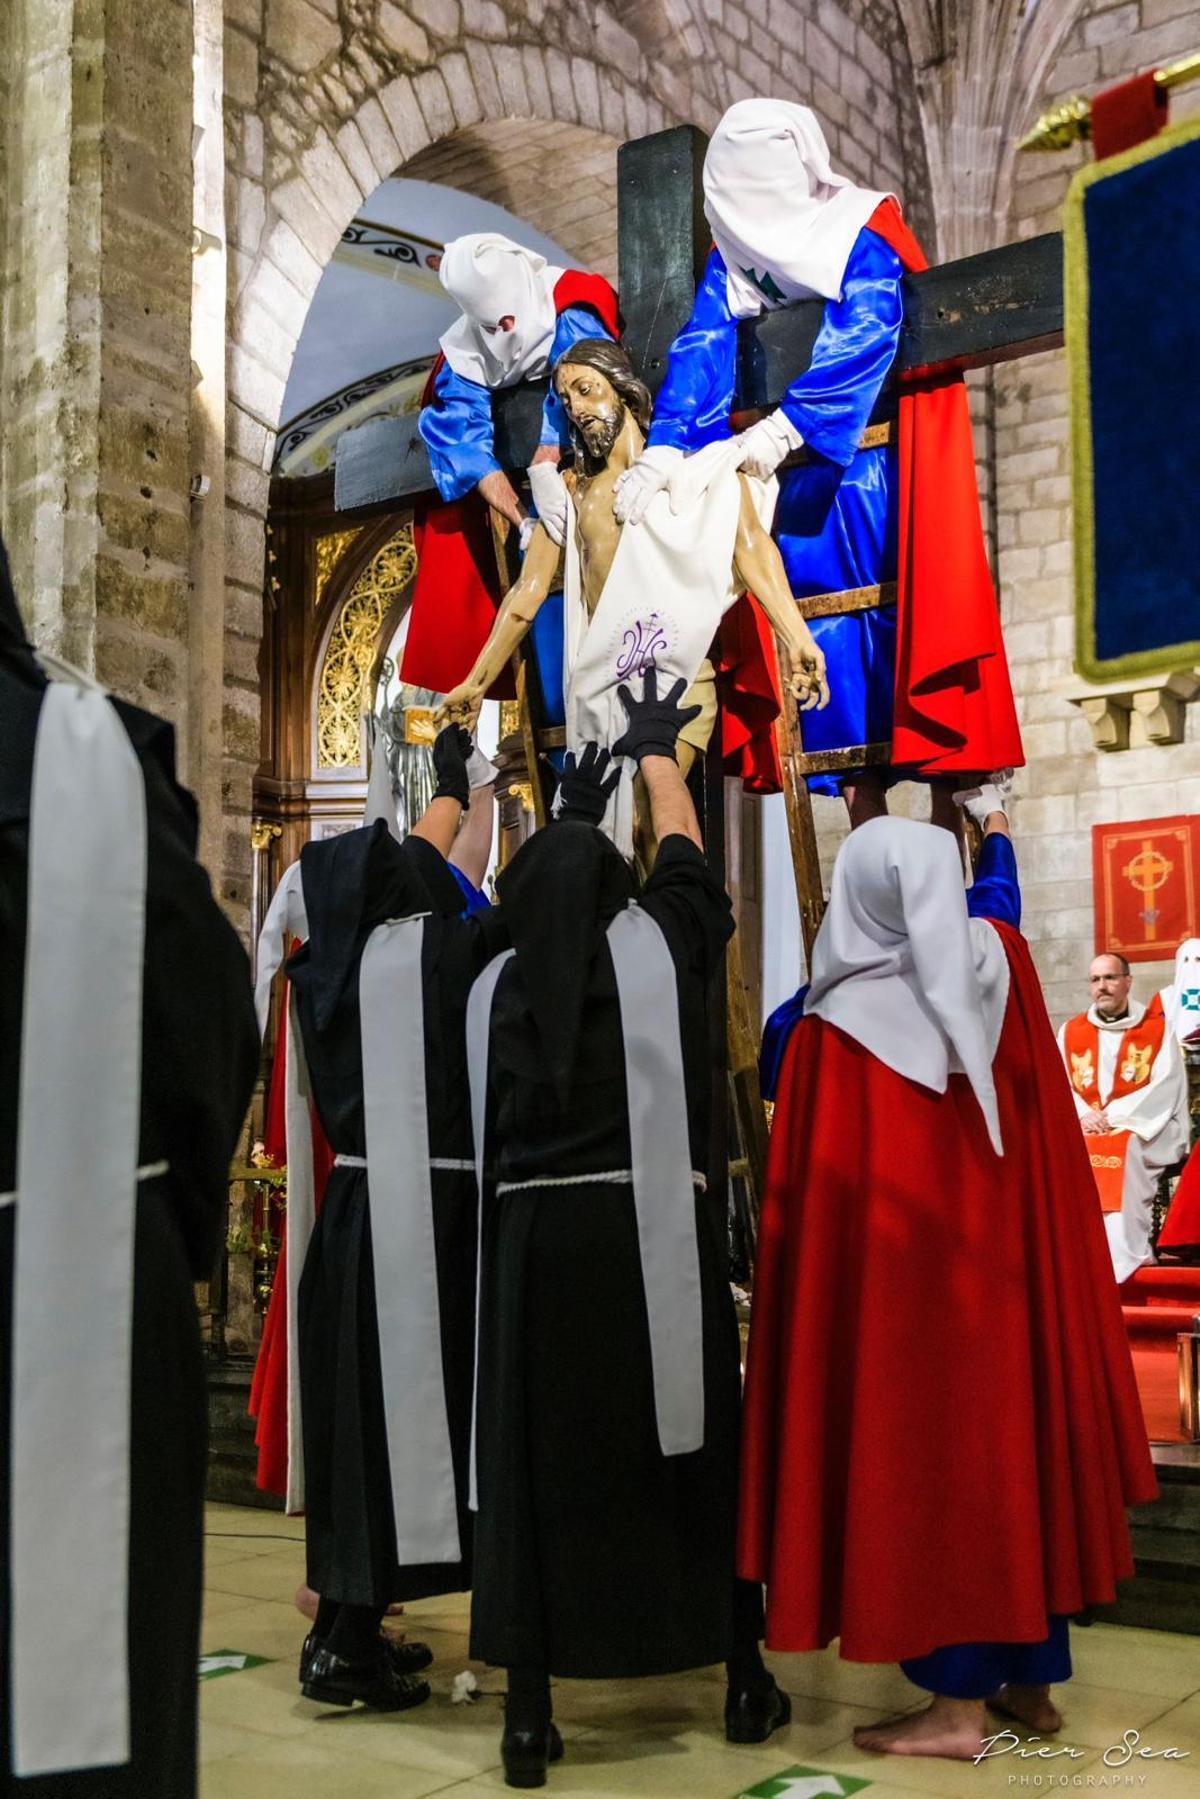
<point x="637" y="597"/>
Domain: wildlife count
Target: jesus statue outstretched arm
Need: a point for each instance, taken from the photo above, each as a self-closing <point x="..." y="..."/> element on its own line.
<point x="759" y="568"/>
<point x="515" y="615"/>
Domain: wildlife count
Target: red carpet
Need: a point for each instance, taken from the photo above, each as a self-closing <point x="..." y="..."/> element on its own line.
<point x="1158" y="1303"/>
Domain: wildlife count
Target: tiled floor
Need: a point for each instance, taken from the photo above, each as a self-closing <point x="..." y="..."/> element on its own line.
<point x="662" y="1738"/>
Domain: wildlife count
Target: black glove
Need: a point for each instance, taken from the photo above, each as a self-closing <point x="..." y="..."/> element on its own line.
<point x="654" y="724"/>
<point x="451" y="749"/>
<point x="583" y="789"/>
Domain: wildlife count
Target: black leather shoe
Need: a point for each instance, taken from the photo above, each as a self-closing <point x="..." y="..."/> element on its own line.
<point x="406" y="1658"/>
<point x="527" y="1753"/>
<point x="332" y="1680"/>
<point x="752" y="1713"/>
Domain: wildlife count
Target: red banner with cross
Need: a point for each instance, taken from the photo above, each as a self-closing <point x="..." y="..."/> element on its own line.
<point x="1146" y="879"/>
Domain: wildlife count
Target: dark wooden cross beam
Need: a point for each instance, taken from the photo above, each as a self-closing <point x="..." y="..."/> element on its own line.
<point x="966" y="314"/>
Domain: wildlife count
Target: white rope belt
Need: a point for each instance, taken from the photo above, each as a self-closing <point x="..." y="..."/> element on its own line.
<point x="447" y="1164"/>
<point x="613" y="1177"/>
<point x="149" y="1171"/>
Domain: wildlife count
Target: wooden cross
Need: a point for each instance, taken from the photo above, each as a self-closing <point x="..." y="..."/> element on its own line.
<point x="983" y="309"/>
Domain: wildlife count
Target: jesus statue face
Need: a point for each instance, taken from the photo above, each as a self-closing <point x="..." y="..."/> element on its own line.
<point x="594" y="408"/>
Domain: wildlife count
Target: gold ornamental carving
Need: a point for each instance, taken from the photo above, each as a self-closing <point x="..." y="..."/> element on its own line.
<point x="343" y="693"/>
<point x="329" y="552"/>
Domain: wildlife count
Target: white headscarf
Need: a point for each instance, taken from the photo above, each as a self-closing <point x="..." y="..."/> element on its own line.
<point x="1181" y="1000"/>
<point x="491" y="277"/>
<point x="776" y="207"/>
<point x="900" y="967"/>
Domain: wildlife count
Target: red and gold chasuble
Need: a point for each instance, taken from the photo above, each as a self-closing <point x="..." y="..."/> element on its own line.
<point x="1140" y="1046"/>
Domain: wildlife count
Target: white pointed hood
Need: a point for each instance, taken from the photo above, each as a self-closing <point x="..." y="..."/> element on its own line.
<point x="491" y="278"/>
<point x="784" y="223"/>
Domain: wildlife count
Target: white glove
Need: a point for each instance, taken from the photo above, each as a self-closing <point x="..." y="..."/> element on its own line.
<point x="480" y="772"/>
<point x="525" y="531"/>
<point x="550" y="498"/>
<point x="980" y="802"/>
<point x="638" y="485"/>
<point x="765" y="445"/>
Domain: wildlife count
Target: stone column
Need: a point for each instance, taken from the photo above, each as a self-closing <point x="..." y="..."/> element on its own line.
<point x="98" y="154"/>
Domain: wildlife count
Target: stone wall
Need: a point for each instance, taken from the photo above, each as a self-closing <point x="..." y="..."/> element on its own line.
<point x="1069" y="786"/>
<point x="95" y="370"/>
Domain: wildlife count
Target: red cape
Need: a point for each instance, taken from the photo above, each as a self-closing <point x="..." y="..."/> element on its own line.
<point x="268" y="1388"/>
<point x="954" y="710"/>
<point x="457" y="589"/>
<point x="942" y="1429"/>
<point x="1182" y="1227"/>
<point x="751" y="696"/>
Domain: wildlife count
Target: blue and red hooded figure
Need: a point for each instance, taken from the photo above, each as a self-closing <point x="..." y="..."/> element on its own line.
<point x="924" y="670"/>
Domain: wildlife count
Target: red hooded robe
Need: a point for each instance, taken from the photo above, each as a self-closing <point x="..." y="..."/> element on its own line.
<point x="942" y="1429"/>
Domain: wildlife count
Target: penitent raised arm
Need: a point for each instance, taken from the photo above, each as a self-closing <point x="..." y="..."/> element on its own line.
<point x="515" y="615"/>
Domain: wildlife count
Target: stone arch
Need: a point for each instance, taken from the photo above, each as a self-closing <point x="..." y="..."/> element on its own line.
<point x="300" y="217"/>
<point x="504" y="161"/>
<point x="284" y="227"/>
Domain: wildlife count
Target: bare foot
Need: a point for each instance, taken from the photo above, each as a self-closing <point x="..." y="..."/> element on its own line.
<point x="952" y="1728"/>
<point x="395" y="1611"/>
<point x="1031" y="1706"/>
<point x="307" y="1601"/>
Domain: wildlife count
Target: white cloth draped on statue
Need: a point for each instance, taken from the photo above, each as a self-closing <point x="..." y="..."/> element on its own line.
<point x="670" y="584"/>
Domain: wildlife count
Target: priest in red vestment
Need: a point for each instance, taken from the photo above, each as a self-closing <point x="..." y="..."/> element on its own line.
<point x="1131" y="1099"/>
<point x="942" y="1430"/>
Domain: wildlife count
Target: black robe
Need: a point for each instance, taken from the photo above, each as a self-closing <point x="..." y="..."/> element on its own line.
<point x="351" y="884"/>
<point x="200" y="1052"/>
<point x="595" y="1555"/>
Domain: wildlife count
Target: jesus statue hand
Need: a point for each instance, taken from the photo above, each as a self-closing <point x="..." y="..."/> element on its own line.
<point x="461" y="706"/>
<point x="807" y="682"/>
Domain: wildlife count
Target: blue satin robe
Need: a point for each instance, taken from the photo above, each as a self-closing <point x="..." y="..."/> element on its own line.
<point x="474" y="897"/>
<point x="836" y="520"/>
<point x="458" y="433"/>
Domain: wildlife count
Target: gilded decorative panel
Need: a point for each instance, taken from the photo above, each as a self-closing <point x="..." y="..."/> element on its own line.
<point x="343" y="693"/>
<point x="329" y="552"/>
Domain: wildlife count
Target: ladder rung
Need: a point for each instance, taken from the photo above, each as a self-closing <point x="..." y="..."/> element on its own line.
<point x="832" y="762"/>
<point x="851" y="599"/>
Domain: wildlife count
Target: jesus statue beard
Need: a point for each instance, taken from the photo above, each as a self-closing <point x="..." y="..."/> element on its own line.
<point x="595" y="447"/>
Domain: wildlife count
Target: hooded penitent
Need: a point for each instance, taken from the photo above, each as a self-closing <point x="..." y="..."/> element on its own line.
<point x="784" y="223"/>
<point x="492" y="278"/>
<point x="1181" y="1000"/>
<point x="560" y="894"/>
